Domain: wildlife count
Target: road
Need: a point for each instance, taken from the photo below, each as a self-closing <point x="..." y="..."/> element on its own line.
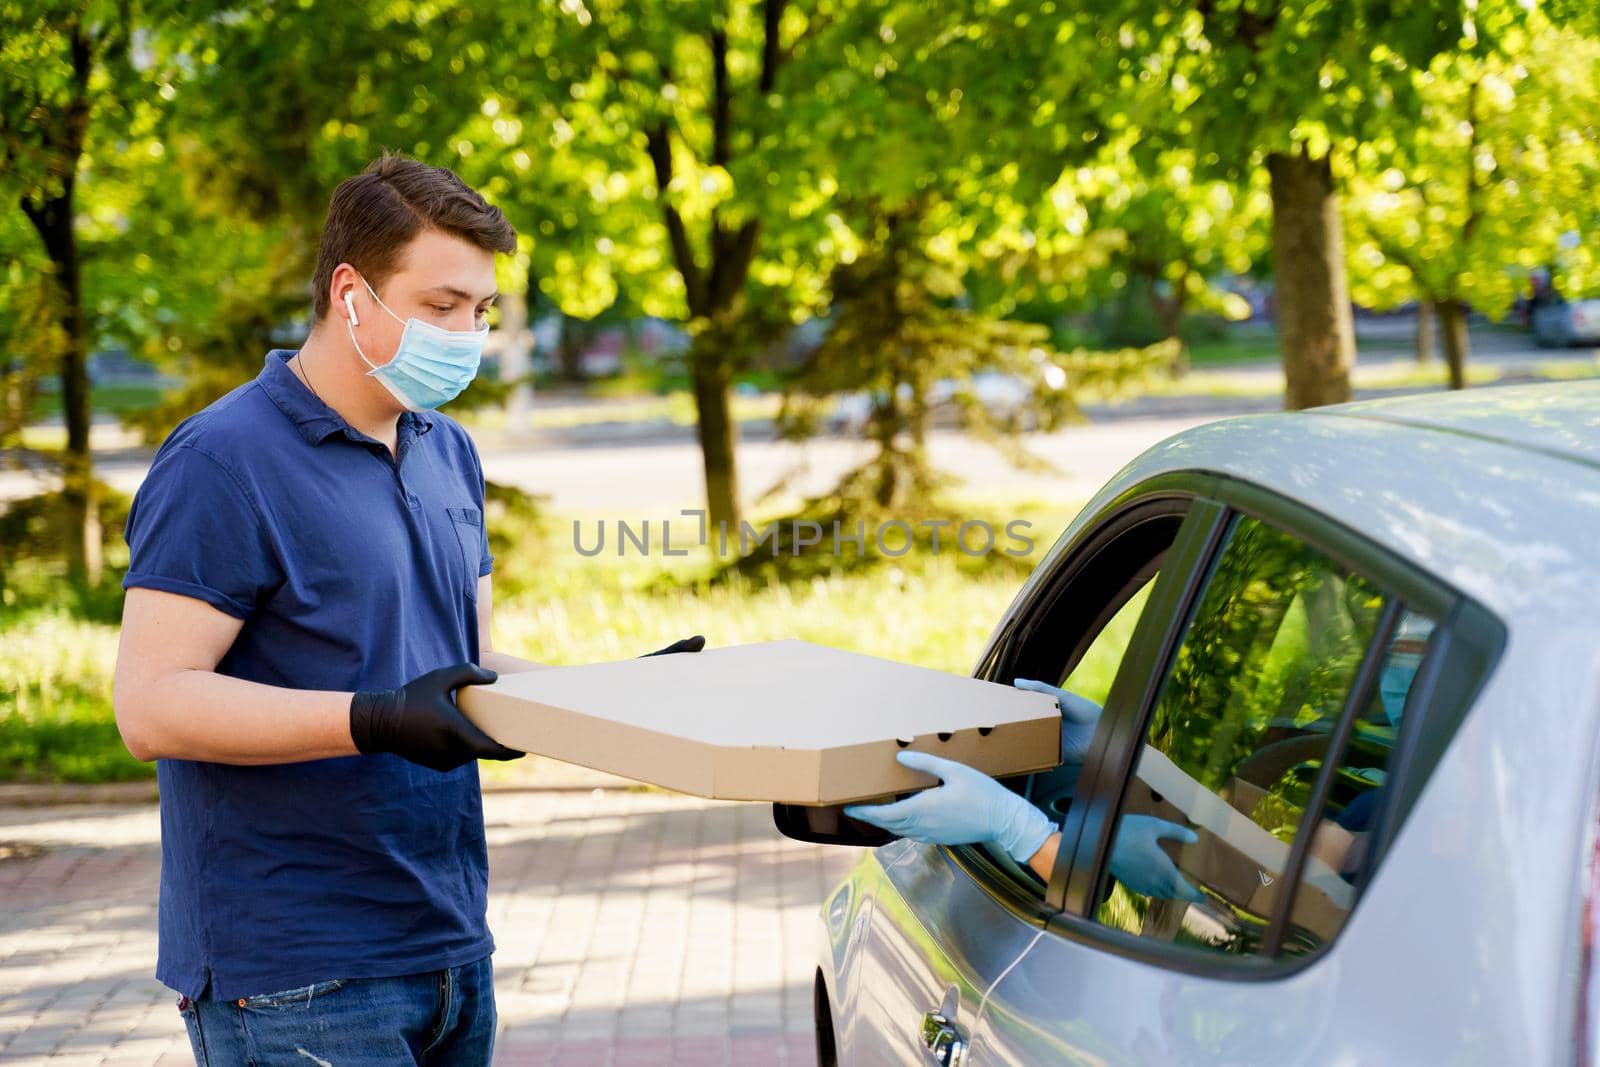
<point x="647" y="478"/>
<point x="631" y="469"/>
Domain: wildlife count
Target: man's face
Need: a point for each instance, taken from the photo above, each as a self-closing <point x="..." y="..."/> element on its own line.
<point x="443" y="280"/>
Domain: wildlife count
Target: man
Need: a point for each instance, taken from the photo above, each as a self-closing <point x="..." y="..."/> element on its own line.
<point x="309" y="584"/>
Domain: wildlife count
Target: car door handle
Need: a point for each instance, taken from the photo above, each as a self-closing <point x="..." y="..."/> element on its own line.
<point x="946" y="1044"/>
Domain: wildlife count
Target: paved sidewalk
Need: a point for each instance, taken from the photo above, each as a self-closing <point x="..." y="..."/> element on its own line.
<point x="632" y="928"/>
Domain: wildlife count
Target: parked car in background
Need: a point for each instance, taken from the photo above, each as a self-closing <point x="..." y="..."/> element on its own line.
<point x="1558" y="323"/>
<point x="1386" y="875"/>
<point x="1003" y="396"/>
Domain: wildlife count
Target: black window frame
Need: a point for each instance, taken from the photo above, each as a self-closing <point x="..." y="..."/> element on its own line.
<point x="1467" y="645"/>
<point x="1163" y="500"/>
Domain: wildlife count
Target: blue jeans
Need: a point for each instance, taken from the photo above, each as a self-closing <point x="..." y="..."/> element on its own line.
<point x="443" y="1017"/>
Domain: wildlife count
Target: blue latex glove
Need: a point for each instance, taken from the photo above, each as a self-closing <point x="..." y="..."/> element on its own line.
<point x="1078" y="718"/>
<point x="969" y="807"/>
<point x="1138" y="862"/>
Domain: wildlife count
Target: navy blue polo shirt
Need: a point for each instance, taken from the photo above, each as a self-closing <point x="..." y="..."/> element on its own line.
<point x="351" y="569"/>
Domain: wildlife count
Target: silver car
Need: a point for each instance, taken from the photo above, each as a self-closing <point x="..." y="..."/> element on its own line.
<point x="1355" y="652"/>
<point x="1559" y="323"/>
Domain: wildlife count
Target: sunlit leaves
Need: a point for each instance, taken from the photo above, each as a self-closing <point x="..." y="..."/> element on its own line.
<point x="1495" y="181"/>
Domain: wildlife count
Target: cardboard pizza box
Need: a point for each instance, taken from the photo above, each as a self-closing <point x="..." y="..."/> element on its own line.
<point x="783" y="721"/>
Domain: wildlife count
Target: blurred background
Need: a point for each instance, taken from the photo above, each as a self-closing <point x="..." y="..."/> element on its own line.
<point x="799" y="260"/>
<point x="823" y="260"/>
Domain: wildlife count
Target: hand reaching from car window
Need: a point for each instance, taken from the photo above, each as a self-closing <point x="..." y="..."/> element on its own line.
<point x="1079" y="715"/>
<point x="968" y="808"/>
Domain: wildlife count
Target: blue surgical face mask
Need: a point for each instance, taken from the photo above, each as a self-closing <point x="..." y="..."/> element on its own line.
<point x="1394" y="682"/>
<point x="431" y="366"/>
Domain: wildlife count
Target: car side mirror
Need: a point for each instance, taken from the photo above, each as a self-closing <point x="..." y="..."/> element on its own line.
<point x="826" y="826"/>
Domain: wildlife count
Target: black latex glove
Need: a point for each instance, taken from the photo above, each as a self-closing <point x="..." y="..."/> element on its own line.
<point x="688" y="644"/>
<point x="420" y="721"/>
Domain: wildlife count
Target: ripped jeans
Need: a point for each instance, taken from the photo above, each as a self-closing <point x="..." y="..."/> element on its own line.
<point x="435" y="1017"/>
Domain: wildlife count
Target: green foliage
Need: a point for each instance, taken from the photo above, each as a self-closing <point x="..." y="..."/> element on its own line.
<point x="33" y="534"/>
<point x="521" y="537"/>
<point x="1482" y="190"/>
<point x="1234" y="80"/>
<point x="31" y="341"/>
<point x="55" y="677"/>
<point x="906" y="337"/>
<point x="1280" y="632"/>
<point x="648" y="150"/>
<point x="1171" y="234"/>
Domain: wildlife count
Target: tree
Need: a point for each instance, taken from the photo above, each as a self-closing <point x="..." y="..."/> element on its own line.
<point x="663" y="134"/>
<point x="1501" y="166"/>
<point x="68" y="84"/>
<point x="1174" y="231"/>
<point x="270" y="107"/>
<point x="1291" y="87"/>
<point x="906" y="336"/>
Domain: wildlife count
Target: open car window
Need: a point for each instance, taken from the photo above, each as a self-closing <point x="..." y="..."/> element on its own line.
<point x="1090" y="678"/>
<point x="1077" y="634"/>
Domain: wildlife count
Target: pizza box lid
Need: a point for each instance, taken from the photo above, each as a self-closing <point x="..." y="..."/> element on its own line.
<point x="784" y="721"/>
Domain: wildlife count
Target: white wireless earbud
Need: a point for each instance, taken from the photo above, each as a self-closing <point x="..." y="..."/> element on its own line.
<point x="350" y="305"/>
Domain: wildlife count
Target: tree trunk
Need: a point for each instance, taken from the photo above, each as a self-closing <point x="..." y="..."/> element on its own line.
<point x="1169" y="316"/>
<point x="80" y="494"/>
<point x="516" y="352"/>
<point x="718" y="435"/>
<point x="1316" y="331"/>
<point x="1457" y="345"/>
<point x="575" y="337"/>
<point x="1426" y="317"/>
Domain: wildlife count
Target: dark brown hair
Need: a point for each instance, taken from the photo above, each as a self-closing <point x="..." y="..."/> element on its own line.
<point x="373" y="215"/>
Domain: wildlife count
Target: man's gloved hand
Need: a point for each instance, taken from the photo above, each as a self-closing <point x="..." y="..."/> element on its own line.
<point x="1138" y="862"/>
<point x="420" y="721"/>
<point x="969" y="807"/>
<point x="688" y="644"/>
<point x="1078" y="718"/>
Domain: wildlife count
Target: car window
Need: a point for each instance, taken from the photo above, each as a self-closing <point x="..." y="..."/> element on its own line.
<point x="1052" y="791"/>
<point x="1237" y="738"/>
<point x="1095" y="671"/>
<point x="1089" y="623"/>
<point x="1338" y="849"/>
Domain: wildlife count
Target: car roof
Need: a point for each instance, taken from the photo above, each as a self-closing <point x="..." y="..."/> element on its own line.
<point x="1556" y="418"/>
<point x="1495" y="492"/>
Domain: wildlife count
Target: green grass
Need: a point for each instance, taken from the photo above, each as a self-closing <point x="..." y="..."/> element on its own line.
<point x="55" y="703"/>
<point x="1243" y="344"/>
<point x="552" y="605"/>
<point x="104" y="399"/>
<point x="1217" y="381"/>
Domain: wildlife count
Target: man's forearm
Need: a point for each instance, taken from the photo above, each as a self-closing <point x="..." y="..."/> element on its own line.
<point x="202" y="715"/>
<point x="505" y="663"/>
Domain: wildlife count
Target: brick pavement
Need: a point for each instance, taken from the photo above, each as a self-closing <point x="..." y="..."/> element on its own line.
<point x="632" y="928"/>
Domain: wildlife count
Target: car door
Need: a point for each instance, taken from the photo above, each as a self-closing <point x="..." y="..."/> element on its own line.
<point x="945" y="924"/>
<point x="1284" y="696"/>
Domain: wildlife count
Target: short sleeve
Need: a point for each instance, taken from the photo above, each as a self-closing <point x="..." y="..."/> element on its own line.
<point x="191" y="530"/>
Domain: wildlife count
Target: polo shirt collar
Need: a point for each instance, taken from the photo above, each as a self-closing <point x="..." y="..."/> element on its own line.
<point x="315" y="420"/>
